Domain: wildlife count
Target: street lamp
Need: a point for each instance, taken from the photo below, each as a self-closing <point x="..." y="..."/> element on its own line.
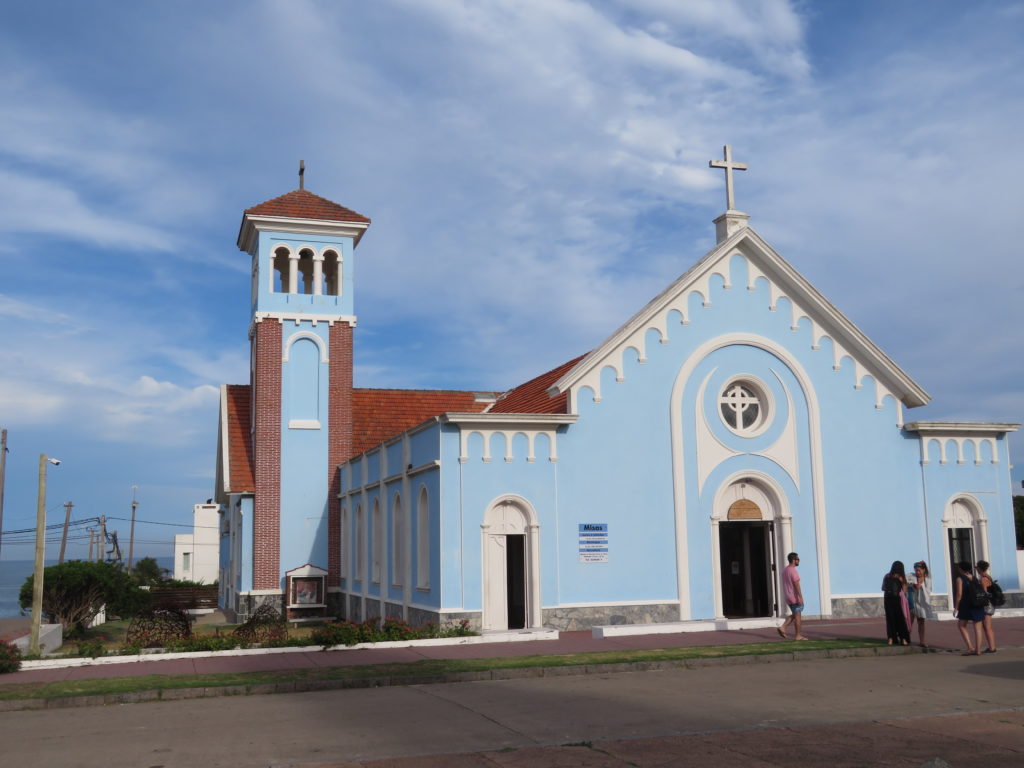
<point x="37" y="578"/>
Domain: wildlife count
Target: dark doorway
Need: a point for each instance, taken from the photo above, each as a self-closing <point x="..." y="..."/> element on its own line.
<point x="515" y="579"/>
<point x="746" y="562"/>
<point x="961" y="547"/>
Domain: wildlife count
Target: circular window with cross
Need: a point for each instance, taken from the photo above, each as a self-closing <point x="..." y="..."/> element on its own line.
<point x="743" y="405"/>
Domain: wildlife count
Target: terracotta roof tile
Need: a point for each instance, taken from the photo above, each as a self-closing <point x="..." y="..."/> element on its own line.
<point x="303" y="204"/>
<point x="379" y="414"/>
<point x="239" y="446"/>
<point x="532" y="397"/>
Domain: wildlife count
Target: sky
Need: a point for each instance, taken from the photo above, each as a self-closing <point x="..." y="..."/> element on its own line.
<point x="536" y="171"/>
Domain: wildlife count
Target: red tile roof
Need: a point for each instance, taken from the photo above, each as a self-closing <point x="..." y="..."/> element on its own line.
<point x="236" y="442"/>
<point x="379" y="414"/>
<point x="532" y="397"/>
<point x="303" y="204"/>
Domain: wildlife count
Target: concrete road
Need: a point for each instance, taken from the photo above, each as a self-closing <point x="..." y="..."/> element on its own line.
<point x="360" y="725"/>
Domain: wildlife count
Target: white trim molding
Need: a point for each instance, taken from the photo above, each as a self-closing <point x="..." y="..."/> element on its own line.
<point x="507" y="425"/>
<point x="321" y="345"/>
<point x="248" y="232"/>
<point x="678" y="462"/>
<point x="848" y="341"/>
<point x="959" y="433"/>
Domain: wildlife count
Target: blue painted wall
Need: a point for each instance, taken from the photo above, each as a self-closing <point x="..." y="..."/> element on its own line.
<point x="304" y="383"/>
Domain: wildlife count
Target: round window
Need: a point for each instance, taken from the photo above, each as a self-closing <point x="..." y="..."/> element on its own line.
<point x="743" y="406"/>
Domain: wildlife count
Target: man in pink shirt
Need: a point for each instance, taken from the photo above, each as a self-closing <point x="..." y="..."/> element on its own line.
<point x="794" y="596"/>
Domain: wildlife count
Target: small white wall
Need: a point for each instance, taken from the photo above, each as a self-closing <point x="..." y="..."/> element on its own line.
<point x="202" y="544"/>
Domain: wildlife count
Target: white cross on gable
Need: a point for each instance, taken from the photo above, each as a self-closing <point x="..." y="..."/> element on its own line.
<point x="729" y="166"/>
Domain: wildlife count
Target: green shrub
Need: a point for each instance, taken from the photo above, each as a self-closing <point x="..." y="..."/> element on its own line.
<point x="206" y="643"/>
<point x="458" y="628"/>
<point x="75" y="591"/>
<point x="396" y="629"/>
<point x="337" y="633"/>
<point x="10" y="657"/>
<point x="91" y="649"/>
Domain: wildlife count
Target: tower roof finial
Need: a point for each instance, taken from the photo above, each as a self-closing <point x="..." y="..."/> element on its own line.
<point x="302" y="173"/>
<point x="729" y="167"/>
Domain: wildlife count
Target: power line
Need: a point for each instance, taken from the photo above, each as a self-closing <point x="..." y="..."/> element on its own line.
<point x="157" y="522"/>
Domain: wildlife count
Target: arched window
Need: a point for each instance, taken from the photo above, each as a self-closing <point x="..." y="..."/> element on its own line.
<point x="281" y="269"/>
<point x="397" y="542"/>
<point x="332" y="272"/>
<point x="360" y="543"/>
<point x="376" y="543"/>
<point x="306" y="271"/>
<point x="423" y="541"/>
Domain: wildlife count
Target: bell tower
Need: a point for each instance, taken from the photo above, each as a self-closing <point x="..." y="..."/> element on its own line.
<point x="302" y="318"/>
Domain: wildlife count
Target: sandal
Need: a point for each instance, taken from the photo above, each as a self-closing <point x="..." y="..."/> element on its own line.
<point x="781" y="633"/>
<point x="970" y="653"/>
<point x="989" y="650"/>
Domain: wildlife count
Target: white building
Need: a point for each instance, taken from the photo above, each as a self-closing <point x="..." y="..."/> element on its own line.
<point x="196" y="554"/>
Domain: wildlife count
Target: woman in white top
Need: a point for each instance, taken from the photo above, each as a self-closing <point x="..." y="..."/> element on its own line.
<point x="922" y="598"/>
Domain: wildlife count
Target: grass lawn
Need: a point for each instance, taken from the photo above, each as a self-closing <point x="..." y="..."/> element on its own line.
<point x="407" y="672"/>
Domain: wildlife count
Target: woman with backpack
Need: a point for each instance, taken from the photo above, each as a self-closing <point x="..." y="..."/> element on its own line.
<point x="966" y="610"/>
<point x="987" y="582"/>
<point x="897" y="609"/>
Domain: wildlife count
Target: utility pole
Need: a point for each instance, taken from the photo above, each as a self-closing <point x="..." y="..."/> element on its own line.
<point x="131" y="534"/>
<point x="92" y="539"/>
<point x="64" y="538"/>
<point x="37" y="577"/>
<point x="101" y="553"/>
<point x="3" y="471"/>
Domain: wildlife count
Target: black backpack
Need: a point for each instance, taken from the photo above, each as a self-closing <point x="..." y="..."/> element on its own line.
<point x="891" y="585"/>
<point x="978" y="596"/>
<point x="995" y="594"/>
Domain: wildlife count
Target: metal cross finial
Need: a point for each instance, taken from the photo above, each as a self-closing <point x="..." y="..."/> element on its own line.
<point x="302" y="172"/>
<point x="729" y="166"/>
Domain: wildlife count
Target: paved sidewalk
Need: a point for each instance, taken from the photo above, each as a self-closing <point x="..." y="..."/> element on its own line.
<point x="942" y="636"/>
<point x="982" y="740"/>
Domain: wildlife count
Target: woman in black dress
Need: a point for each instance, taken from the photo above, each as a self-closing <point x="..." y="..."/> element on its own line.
<point x="966" y="611"/>
<point x="897" y="609"/>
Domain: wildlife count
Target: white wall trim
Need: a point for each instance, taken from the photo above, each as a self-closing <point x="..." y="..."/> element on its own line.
<point x="678" y="463"/>
<point x="305" y="335"/>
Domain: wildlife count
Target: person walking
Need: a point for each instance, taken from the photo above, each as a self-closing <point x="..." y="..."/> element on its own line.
<point x="920" y="594"/>
<point x="966" y="612"/>
<point x="794" y="597"/>
<point x="986" y="622"/>
<point x="897" y="609"/>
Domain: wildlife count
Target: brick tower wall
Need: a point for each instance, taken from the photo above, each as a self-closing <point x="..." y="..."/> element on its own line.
<point x="266" y="539"/>
<point x="339" y="441"/>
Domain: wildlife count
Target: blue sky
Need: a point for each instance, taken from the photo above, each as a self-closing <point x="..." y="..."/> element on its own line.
<point x="535" y="172"/>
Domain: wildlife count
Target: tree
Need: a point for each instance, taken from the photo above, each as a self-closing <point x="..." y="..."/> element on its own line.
<point x="75" y="591"/>
<point x="148" y="572"/>
<point x="1018" y="518"/>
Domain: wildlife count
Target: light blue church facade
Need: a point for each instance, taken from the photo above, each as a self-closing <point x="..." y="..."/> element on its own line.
<point x="661" y="477"/>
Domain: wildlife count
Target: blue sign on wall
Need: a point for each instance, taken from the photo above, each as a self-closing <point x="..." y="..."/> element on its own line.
<point x="593" y="542"/>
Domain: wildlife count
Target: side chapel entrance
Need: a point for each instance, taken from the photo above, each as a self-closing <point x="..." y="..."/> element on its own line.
<point x="510" y="567"/>
<point x="748" y="578"/>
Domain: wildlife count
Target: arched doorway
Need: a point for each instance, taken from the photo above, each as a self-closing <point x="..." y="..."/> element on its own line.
<point x="966" y="538"/>
<point x="747" y="549"/>
<point x="511" y="570"/>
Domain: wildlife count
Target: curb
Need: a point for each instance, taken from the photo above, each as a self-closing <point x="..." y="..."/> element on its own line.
<point x="258" y="689"/>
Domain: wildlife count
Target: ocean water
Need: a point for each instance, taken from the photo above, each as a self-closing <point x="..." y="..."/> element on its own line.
<point x="13" y="574"/>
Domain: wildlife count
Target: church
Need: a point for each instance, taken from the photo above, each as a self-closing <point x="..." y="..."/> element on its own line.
<point x="663" y="476"/>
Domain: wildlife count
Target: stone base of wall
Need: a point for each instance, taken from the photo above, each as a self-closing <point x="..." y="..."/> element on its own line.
<point x="246" y="605"/>
<point x="569" y="619"/>
<point x="336" y="605"/>
<point x="857" y="607"/>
